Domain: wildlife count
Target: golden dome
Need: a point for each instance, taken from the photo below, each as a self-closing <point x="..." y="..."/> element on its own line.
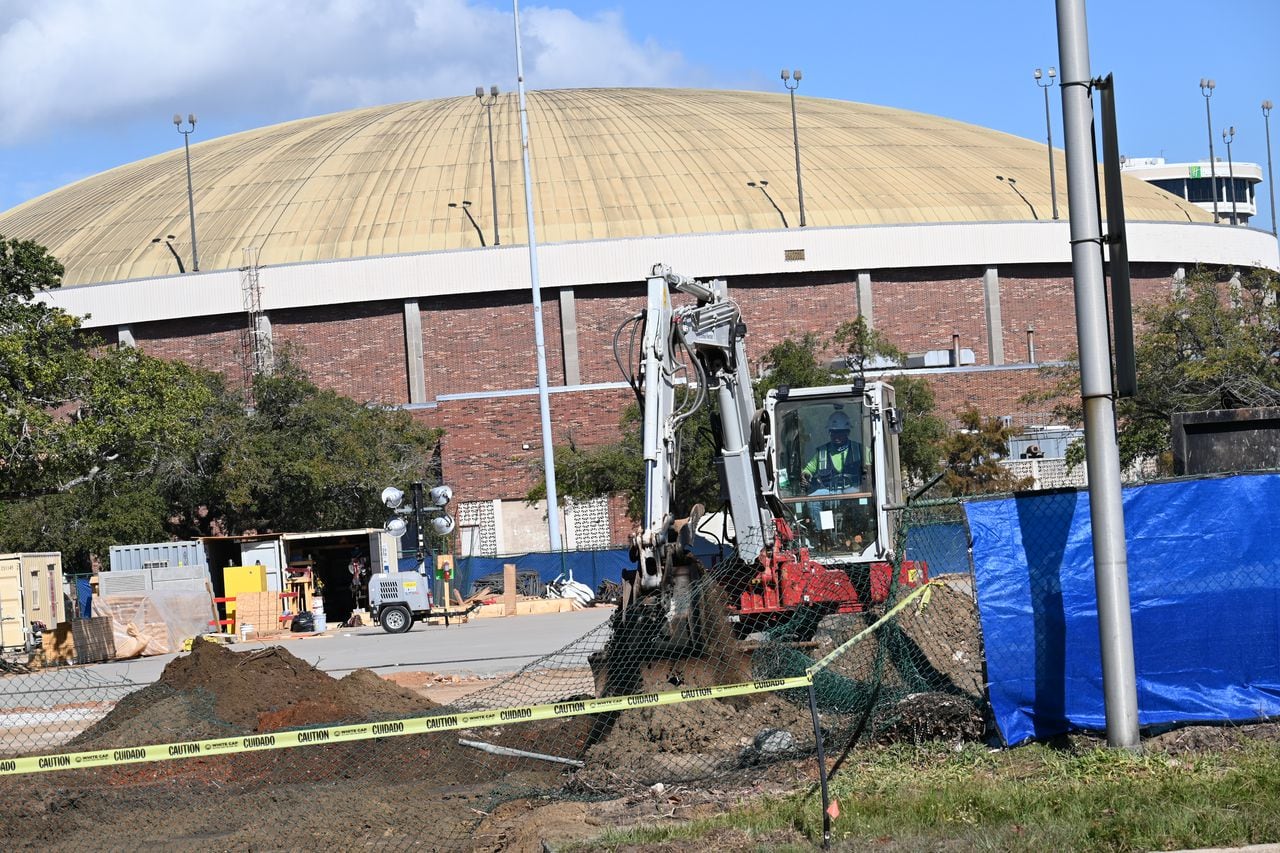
<point x="607" y="163"/>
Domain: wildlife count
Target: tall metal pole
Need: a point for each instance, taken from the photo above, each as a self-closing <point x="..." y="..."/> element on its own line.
<point x="493" y="169"/>
<point x="1271" y="186"/>
<point x="787" y="77"/>
<point x="1229" y="136"/>
<point x="1048" y="132"/>
<point x="1102" y="456"/>
<point x="548" y="450"/>
<point x="1206" y="88"/>
<point x="191" y="199"/>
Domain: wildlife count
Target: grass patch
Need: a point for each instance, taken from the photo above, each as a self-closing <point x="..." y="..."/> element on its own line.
<point x="1032" y="798"/>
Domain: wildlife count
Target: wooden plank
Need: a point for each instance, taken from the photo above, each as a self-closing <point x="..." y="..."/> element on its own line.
<point x="509" y="589"/>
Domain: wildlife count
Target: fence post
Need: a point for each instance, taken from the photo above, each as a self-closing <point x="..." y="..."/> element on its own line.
<point x="822" y="768"/>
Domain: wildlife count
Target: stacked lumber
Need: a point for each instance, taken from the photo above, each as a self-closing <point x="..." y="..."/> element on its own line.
<point x="262" y="611"/>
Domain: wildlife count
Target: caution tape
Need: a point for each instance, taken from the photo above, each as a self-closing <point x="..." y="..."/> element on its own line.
<point x="388" y="728"/>
<point x="922" y="592"/>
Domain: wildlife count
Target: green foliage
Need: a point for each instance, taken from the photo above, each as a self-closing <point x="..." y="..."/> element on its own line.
<point x="793" y="363"/>
<point x="100" y="445"/>
<point x="310" y="459"/>
<point x="973" y="457"/>
<point x="26" y="267"/>
<point x="1211" y="345"/>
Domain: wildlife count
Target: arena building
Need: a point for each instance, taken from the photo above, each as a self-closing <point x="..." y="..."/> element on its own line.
<point x="369" y="243"/>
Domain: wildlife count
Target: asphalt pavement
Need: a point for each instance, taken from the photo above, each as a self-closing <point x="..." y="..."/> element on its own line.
<point x="487" y="646"/>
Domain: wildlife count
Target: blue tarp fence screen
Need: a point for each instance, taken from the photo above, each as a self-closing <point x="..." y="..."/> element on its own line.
<point x="588" y="567"/>
<point x="1204" y="579"/>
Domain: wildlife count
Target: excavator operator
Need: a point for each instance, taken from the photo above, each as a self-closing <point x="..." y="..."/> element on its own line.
<point x="835" y="466"/>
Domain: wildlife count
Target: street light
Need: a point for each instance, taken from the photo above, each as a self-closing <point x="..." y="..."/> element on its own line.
<point x="1206" y="88"/>
<point x="466" y="208"/>
<point x="761" y="185"/>
<point x="1013" y="185"/>
<point x="442" y="522"/>
<point x="487" y="103"/>
<point x="1048" y="130"/>
<point x="1228" y="136"/>
<point x="191" y="200"/>
<point x="172" y="251"/>
<point x="787" y="78"/>
<point x="1271" y="187"/>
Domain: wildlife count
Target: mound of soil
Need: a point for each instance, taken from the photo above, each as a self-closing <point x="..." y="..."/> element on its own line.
<point x="214" y="691"/>
<point x="949" y="635"/>
<point x="676" y="743"/>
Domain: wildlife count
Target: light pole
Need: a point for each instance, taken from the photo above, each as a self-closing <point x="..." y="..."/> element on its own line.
<point x="1206" y="88"/>
<point x="1013" y="185"/>
<point x="761" y="185"/>
<point x="1228" y="136"/>
<point x="466" y="208"/>
<point x="1271" y="187"/>
<point x="787" y="78"/>
<point x="441" y="523"/>
<point x="487" y="103"/>
<point x="191" y="200"/>
<point x="172" y="251"/>
<point x="1048" y="131"/>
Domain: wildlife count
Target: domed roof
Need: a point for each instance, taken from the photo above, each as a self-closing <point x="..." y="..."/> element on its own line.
<point x="607" y="163"/>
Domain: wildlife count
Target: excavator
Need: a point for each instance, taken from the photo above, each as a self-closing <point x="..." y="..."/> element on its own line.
<point x="807" y="481"/>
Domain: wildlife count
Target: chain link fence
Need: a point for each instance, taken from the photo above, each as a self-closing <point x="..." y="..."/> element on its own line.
<point x="900" y="661"/>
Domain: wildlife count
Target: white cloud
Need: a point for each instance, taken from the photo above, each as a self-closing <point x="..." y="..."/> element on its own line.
<point x="97" y="63"/>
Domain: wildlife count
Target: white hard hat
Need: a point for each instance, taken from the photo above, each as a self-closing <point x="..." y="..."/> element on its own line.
<point x="839" y="421"/>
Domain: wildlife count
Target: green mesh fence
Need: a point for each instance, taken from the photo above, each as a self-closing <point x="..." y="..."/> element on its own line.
<point x="904" y="664"/>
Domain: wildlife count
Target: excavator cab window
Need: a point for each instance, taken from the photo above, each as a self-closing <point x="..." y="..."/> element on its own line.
<point x="825" y="477"/>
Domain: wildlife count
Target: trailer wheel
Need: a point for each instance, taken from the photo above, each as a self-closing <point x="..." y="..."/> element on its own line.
<point x="396" y="619"/>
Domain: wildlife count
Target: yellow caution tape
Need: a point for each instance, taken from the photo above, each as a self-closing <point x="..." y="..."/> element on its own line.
<point x="388" y="728"/>
<point x="922" y="592"/>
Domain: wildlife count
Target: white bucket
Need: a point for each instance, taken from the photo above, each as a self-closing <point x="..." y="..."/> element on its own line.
<point x="321" y="624"/>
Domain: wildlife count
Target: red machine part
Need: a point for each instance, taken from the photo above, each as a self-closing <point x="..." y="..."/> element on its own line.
<point x="788" y="579"/>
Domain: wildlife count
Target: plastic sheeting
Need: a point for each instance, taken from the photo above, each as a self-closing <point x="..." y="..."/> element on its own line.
<point x="1204" y="577"/>
<point x="156" y="623"/>
<point x="587" y="567"/>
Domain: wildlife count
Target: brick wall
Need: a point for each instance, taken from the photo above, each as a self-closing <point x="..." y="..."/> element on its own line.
<point x="485" y="343"/>
<point x="357" y="349"/>
<point x="214" y="343"/>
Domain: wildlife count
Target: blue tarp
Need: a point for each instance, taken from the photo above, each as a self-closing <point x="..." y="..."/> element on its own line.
<point x="588" y="567"/>
<point x="84" y="598"/>
<point x="943" y="545"/>
<point x="1204" y="578"/>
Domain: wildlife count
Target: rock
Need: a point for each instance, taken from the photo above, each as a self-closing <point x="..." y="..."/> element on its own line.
<point x="774" y="741"/>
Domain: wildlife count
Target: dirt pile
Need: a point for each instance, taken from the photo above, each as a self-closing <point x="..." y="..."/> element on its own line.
<point x="689" y="741"/>
<point x="214" y="691"/>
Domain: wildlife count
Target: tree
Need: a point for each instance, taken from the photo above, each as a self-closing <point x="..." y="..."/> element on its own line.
<point x="973" y="457"/>
<point x="71" y="410"/>
<point x="100" y="445"/>
<point x="1212" y="344"/>
<point x="310" y="459"/>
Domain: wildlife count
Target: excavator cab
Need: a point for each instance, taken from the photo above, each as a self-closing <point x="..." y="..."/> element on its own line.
<point x="833" y="468"/>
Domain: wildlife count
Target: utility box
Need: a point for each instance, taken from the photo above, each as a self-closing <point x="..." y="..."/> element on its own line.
<point x="1226" y="440"/>
<point x="30" y="591"/>
<point x="238" y="580"/>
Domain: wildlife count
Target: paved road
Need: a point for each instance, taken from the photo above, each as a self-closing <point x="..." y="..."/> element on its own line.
<point x="478" y="647"/>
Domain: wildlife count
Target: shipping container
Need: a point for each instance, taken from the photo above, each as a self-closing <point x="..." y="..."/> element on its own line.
<point x="157" y="555"/>
<point x="30" y="591"/>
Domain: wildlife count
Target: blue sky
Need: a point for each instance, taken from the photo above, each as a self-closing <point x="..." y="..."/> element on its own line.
<point x="86" y="85"/>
